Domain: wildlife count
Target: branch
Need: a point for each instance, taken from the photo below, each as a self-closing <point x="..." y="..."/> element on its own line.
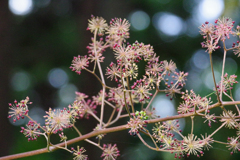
<point x="109" y="130"/>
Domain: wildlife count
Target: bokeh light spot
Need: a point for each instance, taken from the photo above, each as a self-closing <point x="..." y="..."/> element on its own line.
<point x="200" y="59"/>
<point x="194" y="81"/>
<point x="139" y="20"/>
<point x="67" y="93"/>
<point x="164" y="106"/>
<point x="209" y="10"/>
<point x="168" y="23"/>
<point x="57" y="77"/>
<point x="20" y="7"/>
<point x="20" y="81"/>
<point x="231" y="66"/>
<point x="208" y="80"/>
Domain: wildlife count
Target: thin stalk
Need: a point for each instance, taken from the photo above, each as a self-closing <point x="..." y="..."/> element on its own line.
<point x="221" y="142"/>
<point x="109" y="120"/>
<point x="110" y="104"/>
<point x="223" y="66"/>
<point x="153" y="97"/>
<point x="35" y="123"/>
<point x="97" y="78"/>
<point x="233" y="101"/>
<point x="118" y="116"/>
<point x="102" y="78"/>
<point x="211" y="62"/>
<point x="130" y="96"/>
<point x="217" y="130"/>
<point x="87" y="140"/>
<point x="192" y="117"/>
<point x="151" y="137"/>
<point x="124" y="89"/>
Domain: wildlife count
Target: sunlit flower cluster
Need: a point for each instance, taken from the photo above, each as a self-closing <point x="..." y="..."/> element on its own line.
<point x="57" y="120"/>
<point x="192" y="145"/>
<point x="97" y="24"/>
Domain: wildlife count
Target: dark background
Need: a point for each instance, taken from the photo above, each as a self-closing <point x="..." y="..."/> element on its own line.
<point x="55" y="30"/>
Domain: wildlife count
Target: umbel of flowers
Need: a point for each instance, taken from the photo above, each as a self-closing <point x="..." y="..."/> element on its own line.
<point x="131" y="88"/>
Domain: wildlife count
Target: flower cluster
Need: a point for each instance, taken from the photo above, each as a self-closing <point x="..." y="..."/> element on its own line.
<point x="159" y="76"/>
<point x="118" y="30"/>
<point x="83" y="108"/>
<point x="222" y="30"/>
<point x="193" y="102"/>
<point x="164" y="132"/>
<point x="136" y="124"/>
<point x="79" y="63"/>
<point x="97" y="24"/>
<point x="32" y="131"/>
<point x="228" y="119"/>
<point x="233" y="144"/>
<point x="57" y="120"/>
<point x="79" y="153"/>
<point x="227" y="83"/>
<point x="18" y="109"/>
<point x="189" y="145"/>
<point x="110" y="152"/>
<point x="142" y="115"/>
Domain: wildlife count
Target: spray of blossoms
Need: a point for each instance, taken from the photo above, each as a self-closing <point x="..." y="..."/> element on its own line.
<point x="132" y="96"/>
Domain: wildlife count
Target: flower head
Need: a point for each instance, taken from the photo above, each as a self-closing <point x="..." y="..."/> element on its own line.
<point x="97" y="23"/>
<point x="229" y="121"/>
<point x="57" y="120"/>
<point x="118" y="30"/>
<point x="18" y="109"/>
<point x="79" y="153"/>
<point x="135" y="124"/>
<point x="224" y="28"/>
<point x="169" y="67"/>
<point x="110" y="152"/>
<point x="192" y="145"/>
<point x="79" y="63"/>
<point x="233" y="144"/>
<point x="31" y="132"/>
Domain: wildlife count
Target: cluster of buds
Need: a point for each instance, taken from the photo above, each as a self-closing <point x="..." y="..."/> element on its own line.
<point x="142" y="115"/>
<point x="221" y="30"/>
<point x="131" y="90"/>
<point x="136" y="124"/>
<point x="79" y="153"/>
<point x="166" y="130"/>
<point x="193" y="102"/>
<point x="18" y="109"/>
<point x="110" y="152"/>
<point x="82" y="108"/>
<point x="233" y="144"/>
<point x="32" y="131"/>
<point x="227" y="83"/>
